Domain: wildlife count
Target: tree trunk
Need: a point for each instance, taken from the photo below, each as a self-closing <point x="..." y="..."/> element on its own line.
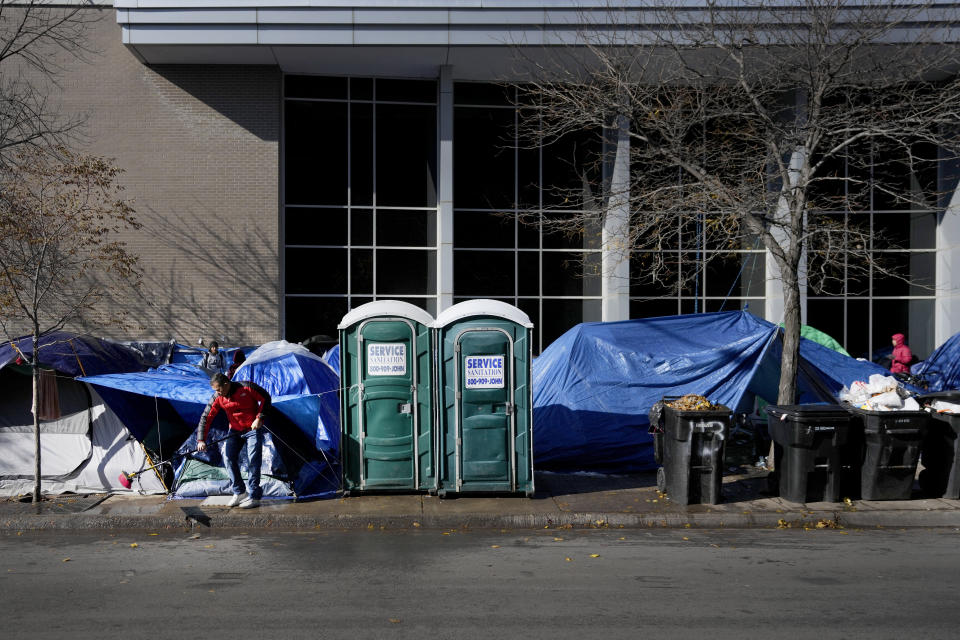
<point x="789" y="357"/>
<point x="35" y="370"/>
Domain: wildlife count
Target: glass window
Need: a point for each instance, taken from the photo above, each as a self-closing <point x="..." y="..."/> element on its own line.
<point x="910" y="274"/>
<point x="361" y="227"/>
<point x="528" y="166"/>
<point x="316" y="142"/>
<point x="406" y="271"/>
<point x="858" y="328"/>
<point x="361" y="154"/>
<point x="307" y="317"/>
<point x="481" y="93"/>
<point x="316" y="87"/>
<point x="907" y="230"/>
<point x="406" y="155"/>
<point x="531" y="307"/>
<point x="427" y="304"/>
<point x="309" y="225"/>
<point x="484" y="158"/>
<point x="361" y="271"/>
<point x="827" y="316"/>
<point x="406" y="228"/>
<point x="312" y="271"/>
<point x="483" y="274"/>
<point x="568" y="164"/>
<point x="654" y="307"/>
<point x="560" y="315"/>
<point x="825" y="277"/>
<point x="562" y="273"/>
<point x="406" y="90"/>
<point x="827" y="188"/>
<point x="361" y="88"/>
<point x="483" y="230"/>
<point x="528" y="271"/>
<point x="568" y="236"/>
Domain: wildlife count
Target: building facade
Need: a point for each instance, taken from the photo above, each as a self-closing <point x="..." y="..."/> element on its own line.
<point x="291" y="160"/>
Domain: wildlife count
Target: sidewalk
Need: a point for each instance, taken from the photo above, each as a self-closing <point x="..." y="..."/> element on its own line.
<point x="561" y="501"/>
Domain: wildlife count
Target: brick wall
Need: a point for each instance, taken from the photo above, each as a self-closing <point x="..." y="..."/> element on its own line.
<point x="199" y="144"/>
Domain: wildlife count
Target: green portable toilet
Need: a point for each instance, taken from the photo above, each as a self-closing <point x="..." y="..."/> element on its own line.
<point x="483" y="398"/>
<point x="386" y="402"/>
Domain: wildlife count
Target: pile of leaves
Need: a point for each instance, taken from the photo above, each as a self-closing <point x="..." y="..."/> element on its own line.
<point x="694" y="402"/>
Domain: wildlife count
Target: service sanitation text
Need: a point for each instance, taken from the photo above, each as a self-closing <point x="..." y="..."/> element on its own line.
<point x="484" y="372"/>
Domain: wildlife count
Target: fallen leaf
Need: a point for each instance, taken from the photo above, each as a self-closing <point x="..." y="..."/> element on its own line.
<point x="568" y="559"/>
<point x="416" y="524"/>
<point x="494" y="546"/>
<point x="594" y="555"/>
<point x="208" y="546"/>
<point x="394" y="620"/>
<point x="446" y="533"/>
<point x="134" y="545"/>
<point x="153" y="534"/>
<point x="66" y="559"/>
<point x="558" y="539"/>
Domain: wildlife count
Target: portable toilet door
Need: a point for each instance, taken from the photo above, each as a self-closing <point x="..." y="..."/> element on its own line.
<point x="386" y="399"/>
<point x="484" y="427"/>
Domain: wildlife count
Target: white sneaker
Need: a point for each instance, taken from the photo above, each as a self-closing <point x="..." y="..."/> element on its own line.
<point x="249" y="503"/>
<point x="237" y="499"/>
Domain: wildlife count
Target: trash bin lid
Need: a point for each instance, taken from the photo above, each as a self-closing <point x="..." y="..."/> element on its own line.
<point x="805" y="412"/>
<point x="482" y="307"/>
<point x="385" y="308"/>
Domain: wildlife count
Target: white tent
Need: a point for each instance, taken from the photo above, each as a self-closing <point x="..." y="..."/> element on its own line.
<point x="83" y="451"/>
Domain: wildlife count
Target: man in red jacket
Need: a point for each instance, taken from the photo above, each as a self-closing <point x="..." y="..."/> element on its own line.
<point x="244" y="403"/>
<point x="901" y="357"/>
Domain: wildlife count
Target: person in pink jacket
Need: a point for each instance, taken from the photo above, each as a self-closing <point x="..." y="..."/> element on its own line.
<point x="901" y="357"/>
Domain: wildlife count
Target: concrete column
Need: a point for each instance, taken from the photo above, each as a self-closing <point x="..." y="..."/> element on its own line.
<point x="445" y="198"/>
<point x="773" y="305"/>
<point x="947" y="305"/>
<point x="615" y="253"/>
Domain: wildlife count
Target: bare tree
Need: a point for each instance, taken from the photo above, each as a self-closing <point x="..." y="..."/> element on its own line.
<point x="61" y="217"/>
<point x="38" y="38"/>
<point x="753" y="124"/>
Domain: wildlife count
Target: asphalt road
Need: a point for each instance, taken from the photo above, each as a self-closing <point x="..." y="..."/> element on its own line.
<point x="511" y="584"/>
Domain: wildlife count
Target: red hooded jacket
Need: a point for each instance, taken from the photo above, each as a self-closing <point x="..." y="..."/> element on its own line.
<point x="901" y="355"/>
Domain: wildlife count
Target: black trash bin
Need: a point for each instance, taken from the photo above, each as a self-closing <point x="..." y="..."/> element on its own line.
<point x="940" y="454"/>
<point x="888" y="445"/>
<point x="807" y="450"/>
<point x="692" y="454"/>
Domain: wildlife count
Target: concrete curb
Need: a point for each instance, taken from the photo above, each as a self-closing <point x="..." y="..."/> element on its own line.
<point x="195" y="519"/>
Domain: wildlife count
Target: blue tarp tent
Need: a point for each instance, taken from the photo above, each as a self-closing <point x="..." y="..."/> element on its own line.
<point x="305" y="426"/>
<point x="74" y="355"/>
<point x="942" y="369"/>
<point x="594" y="386"/>
<point x="332" y="358"/>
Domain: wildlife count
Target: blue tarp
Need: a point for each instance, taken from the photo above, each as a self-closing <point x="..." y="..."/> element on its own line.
<point x="305" y="424"/>
<point x="74" y="355"/>
<point x="594" y="386"/>
<point x="332" y="358"/>
<point x="942" y="369"/>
